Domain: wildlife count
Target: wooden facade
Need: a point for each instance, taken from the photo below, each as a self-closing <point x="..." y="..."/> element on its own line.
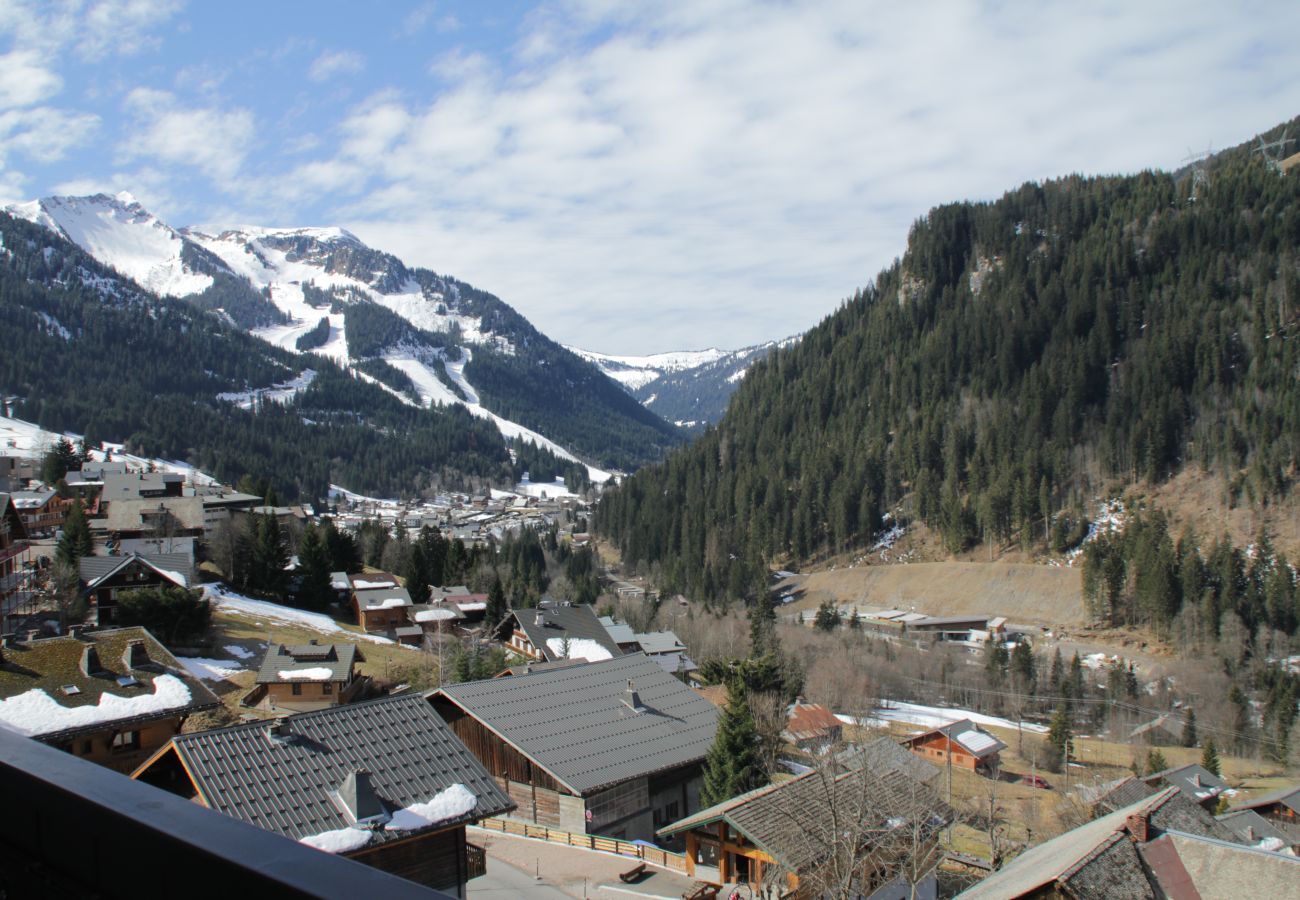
<point x="301" y="695"/>
<point x="720" y="854"/>
<point x="435" y="859"/>
<point x="134" y="576"/>
<point x="124" y="747"/>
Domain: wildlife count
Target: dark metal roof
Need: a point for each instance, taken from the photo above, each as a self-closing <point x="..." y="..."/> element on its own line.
<point x="338" y="658"/>
<point x="560" y="621"/>
<point x="1194" y="780"/>
<point x="285" y="785"/>
<point x="1287" y="796"/>
<point x="574" y="723"/>
<point x="95" y="569"/>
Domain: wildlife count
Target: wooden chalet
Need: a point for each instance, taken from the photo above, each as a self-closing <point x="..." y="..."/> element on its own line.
<point x="112" y="697"/>
<point x="870" y="831"/>
<point x="811" y="727"/>
<point x="380" y="603"/>
<point x="612" y="748"/>
<point x="1156" y="847"/>
<point x="1281" y="808"/>
<point x="963" y="744"/>
<point x="556" y="630"/>
<point x="41" y="511"/>
<point x="13" y="547"/>
<point x="309" y="676"/>
<point x="104" y="578"/>
<point x="382" y="782"/>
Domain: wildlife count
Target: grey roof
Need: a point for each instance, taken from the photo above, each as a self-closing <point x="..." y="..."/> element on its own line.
<point x="338" y="658"/>
<point x="1096" y="859"/>
<point x="134" y="514"/>
<point x="619" y="632"/>
<point x="574" y="622"/>
<point x="128" y="485"/>
<point x="573" y="721"/>
<point x="1223" y="869"/>
<point x="1168" y="722"/>
<point x="791" y="821"/>
<point x="1194" y="780"/>
<point x="1249" y="827"/>
<point x="383" y="598"/>
<point x="884" y="754"/>
<point x="95" y="569"/>
<point x="530" y="667"/>
<point x="1287" y="796"/>
<point x="653" y="642"/>
<point x="1123" y="793"/>
<point x="286" y="785"/>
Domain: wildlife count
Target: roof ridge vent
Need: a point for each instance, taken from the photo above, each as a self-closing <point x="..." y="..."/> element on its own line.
<point x="280" y="732"/>
<point x="90" y="664"/>
<point x="136" y="655"/>
<point x="357" y="800"/>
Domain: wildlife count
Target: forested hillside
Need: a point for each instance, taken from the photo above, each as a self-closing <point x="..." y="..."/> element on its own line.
<point x="1024" y="356"/>
<point x="89" y="351"/>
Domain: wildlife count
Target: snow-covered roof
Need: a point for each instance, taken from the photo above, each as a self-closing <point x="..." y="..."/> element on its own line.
<point x="317" y="673"/>
<point x="435" y="615"/>
<point x="578" y="648"/>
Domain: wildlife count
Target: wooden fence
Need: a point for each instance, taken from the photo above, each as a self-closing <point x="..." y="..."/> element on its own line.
<point x="675" y="862"/>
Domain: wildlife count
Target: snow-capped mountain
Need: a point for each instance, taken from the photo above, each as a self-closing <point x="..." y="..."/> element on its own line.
<point x="690" y="388"/>
<point x="428" y="339"/>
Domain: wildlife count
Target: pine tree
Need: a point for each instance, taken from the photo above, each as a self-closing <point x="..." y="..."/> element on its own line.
<point x="1056" y="674"/>
<point x="496" y="602"/>
<point x="995" y="662"/>
<point x="828" y="617"/>
<point x="731" y="767"/>
<point x="1023" y="667"/>
<point x="270" y="557"/>
<point x="1189" y="729"/>
<point x="1210" y="757"/>
<point x="1156" y="762"/>
<point x="1060" y="735"/>
<point x="75" y="542"/>
<point x="314" y="588"/>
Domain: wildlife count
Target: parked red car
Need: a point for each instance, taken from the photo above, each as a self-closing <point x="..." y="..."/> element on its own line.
<point x="1037" y="781"/>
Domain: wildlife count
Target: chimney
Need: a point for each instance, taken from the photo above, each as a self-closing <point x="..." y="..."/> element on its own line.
<point x="540" y="620"/>
<point x="631" y="699"/>
<point x="1138" y="825"/>
<point x="90" y="664"/>
<point x="280" y="730"/>
<point x="136" y="656"/>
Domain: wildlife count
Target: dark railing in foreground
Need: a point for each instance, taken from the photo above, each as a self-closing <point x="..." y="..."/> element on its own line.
<point x="70" y="828"/>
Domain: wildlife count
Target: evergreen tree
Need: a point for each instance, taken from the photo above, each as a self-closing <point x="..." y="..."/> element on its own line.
<point x="496" y="602"/>
<point x="762" y="628"/>
<point x="732" y="766"/>
<point x="314" y="588"/>
<point x="1210" y="757"/>
<point x="1074" y="682"/>
<point x="1057" y="673"/>
<point x="59" y="460"/>
<point x="1060" y="735"/>
<point x="1156" y="761"/>
<point x="828" y="616"/>
<point x="270" y="557"/>
<point x="76" y="541"/>
<point x="1189" y="728"/>
<point x="1023" y="667"/>
<point x="995" y="662"/>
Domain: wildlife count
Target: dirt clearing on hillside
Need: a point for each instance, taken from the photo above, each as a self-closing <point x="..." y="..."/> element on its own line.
<point x="1024" y="593"/>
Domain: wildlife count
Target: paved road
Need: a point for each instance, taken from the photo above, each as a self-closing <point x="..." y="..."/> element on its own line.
<point x="504" y="882"/>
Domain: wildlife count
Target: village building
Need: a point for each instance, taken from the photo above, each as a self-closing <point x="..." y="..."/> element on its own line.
<point x="308" y="676"/>
<point x="379" y="602"/>
<point x="1281" y="808"/>
<point x="106" y="578"/>
<point x="112" y="697"/>
<point x="811" y="727"/>
<point x="42" y="512"/>
<point x="1198" y="783"/>
<point x="556" y="630"/>
<point x="14" y="548"/>
<point x="613" y="748"/>
<point x="381" y="782"/>
<point x="1166" y="729"/>
<point x="862" y="832"/>
<point x="962" y="744"/>
<point x="148" y="517"/>
<point x="1156" y="847"/>
<point x="1250" y="828"/>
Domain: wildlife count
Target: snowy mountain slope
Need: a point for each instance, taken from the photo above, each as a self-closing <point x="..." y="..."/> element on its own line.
<point x="323" y="291"/>
<point x="122" y="233"/>
<point x="689" y="388"/>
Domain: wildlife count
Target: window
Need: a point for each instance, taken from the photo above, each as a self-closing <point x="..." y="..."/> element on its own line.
<point x="126" y="741"/>
<point x="85" y="748"/>
<point x="297" y="688"/>
<point x="327" y="687"/>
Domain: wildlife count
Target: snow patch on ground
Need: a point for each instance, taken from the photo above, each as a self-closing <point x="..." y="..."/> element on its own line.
<point x="26" y="437"/>
<point x="238" y="652"/>
<point x="282" y="393"/>
<point x="226" y="599"/>
<point x="35" y="712"/>
<point x="933" y="717"/>
<point x="209" y="669"/>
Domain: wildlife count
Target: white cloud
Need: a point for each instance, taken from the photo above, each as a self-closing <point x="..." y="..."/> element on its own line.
<point x="332" y="63"/>
<point x="44" y="134"/>
<point x="727" y="172"/>
<point x="209" y="139"/>
<point x="24" y="80"/>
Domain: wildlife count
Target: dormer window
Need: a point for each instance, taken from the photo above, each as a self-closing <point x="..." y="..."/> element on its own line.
<point x="71" y="690"/>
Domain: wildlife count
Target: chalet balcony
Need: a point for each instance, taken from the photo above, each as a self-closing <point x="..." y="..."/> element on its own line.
<point x="17" y="548"/>
<point x="132" y="839"/>
<point x="476" y="857"/>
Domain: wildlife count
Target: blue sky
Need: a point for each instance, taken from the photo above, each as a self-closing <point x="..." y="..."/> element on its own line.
<point x="633" y="177"/>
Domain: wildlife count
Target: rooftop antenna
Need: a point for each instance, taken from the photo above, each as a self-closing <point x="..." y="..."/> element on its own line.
<point x="1200" y="170"/>
<point x="1266" y="150"/>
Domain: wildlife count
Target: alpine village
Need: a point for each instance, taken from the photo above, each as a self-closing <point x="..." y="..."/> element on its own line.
<point x="326" y="575"/>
